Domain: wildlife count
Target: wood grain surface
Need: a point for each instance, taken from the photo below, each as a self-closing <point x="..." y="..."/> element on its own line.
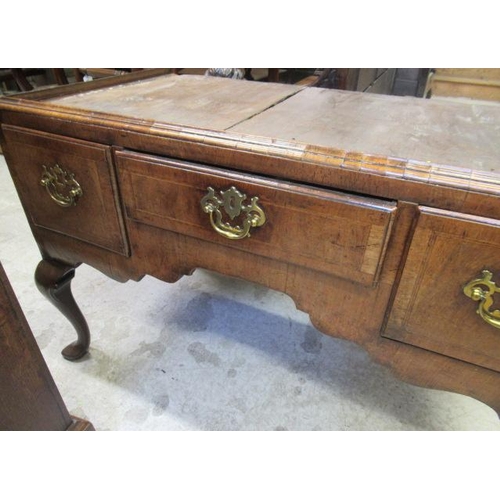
<point x="96" y="216"/>
<point x="196" y="101"/>
<point x="29" y="398"/>
<point x="431" y="311"/>
<point x="332" y="232"/>
<point x="460" y="134"/>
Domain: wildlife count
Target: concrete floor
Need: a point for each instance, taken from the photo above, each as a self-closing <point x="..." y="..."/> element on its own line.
<point x="212" y="353"/>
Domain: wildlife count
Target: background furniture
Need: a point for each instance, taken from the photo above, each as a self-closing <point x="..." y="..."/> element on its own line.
<point x="474" y="83"/>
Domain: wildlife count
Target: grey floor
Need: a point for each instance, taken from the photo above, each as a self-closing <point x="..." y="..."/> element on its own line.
<point x="212" y="353"/>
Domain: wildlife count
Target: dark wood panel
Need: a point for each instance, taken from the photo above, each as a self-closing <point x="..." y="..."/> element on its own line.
<point x="29" y="399"/>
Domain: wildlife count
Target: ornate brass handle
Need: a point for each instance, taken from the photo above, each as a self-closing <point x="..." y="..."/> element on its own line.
<point x="61" y="185"/>
<point x="232" y="204"/>
<point x="482" y="290"/>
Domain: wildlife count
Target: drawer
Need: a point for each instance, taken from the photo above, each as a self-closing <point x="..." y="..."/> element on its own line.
<point x="67" y="186"/>
<point x="331" y="232"/>
<point x="431" y="310"/>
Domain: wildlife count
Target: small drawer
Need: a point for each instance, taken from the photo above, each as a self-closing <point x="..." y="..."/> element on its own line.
<point x="431" y="310"/>
<point x="323" y="230"/>
<point x="67" y="186"/>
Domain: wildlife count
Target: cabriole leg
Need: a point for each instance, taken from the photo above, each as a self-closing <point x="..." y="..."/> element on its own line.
<point x="53" y="279"/>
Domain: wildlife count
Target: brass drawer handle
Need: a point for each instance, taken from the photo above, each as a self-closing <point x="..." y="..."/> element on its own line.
<point x="474" y="290"/>
<point x="232" y="204"/>
<point x="61" y="185"/>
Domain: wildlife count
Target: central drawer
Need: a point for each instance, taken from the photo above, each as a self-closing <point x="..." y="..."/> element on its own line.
<point x="320" y="229"/>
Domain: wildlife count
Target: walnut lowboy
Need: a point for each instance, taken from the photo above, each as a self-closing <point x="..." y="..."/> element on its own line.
<point x="134" y="175"/>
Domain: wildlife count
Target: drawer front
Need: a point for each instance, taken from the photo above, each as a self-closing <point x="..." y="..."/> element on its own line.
<point x="330" y="232"/>
<point x="431" y="310"/>
<point x="67" y="185"/>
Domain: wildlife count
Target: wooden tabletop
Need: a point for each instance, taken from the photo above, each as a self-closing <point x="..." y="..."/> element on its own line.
<point x="461" y="134"/>
<point x="204" y="102"/>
